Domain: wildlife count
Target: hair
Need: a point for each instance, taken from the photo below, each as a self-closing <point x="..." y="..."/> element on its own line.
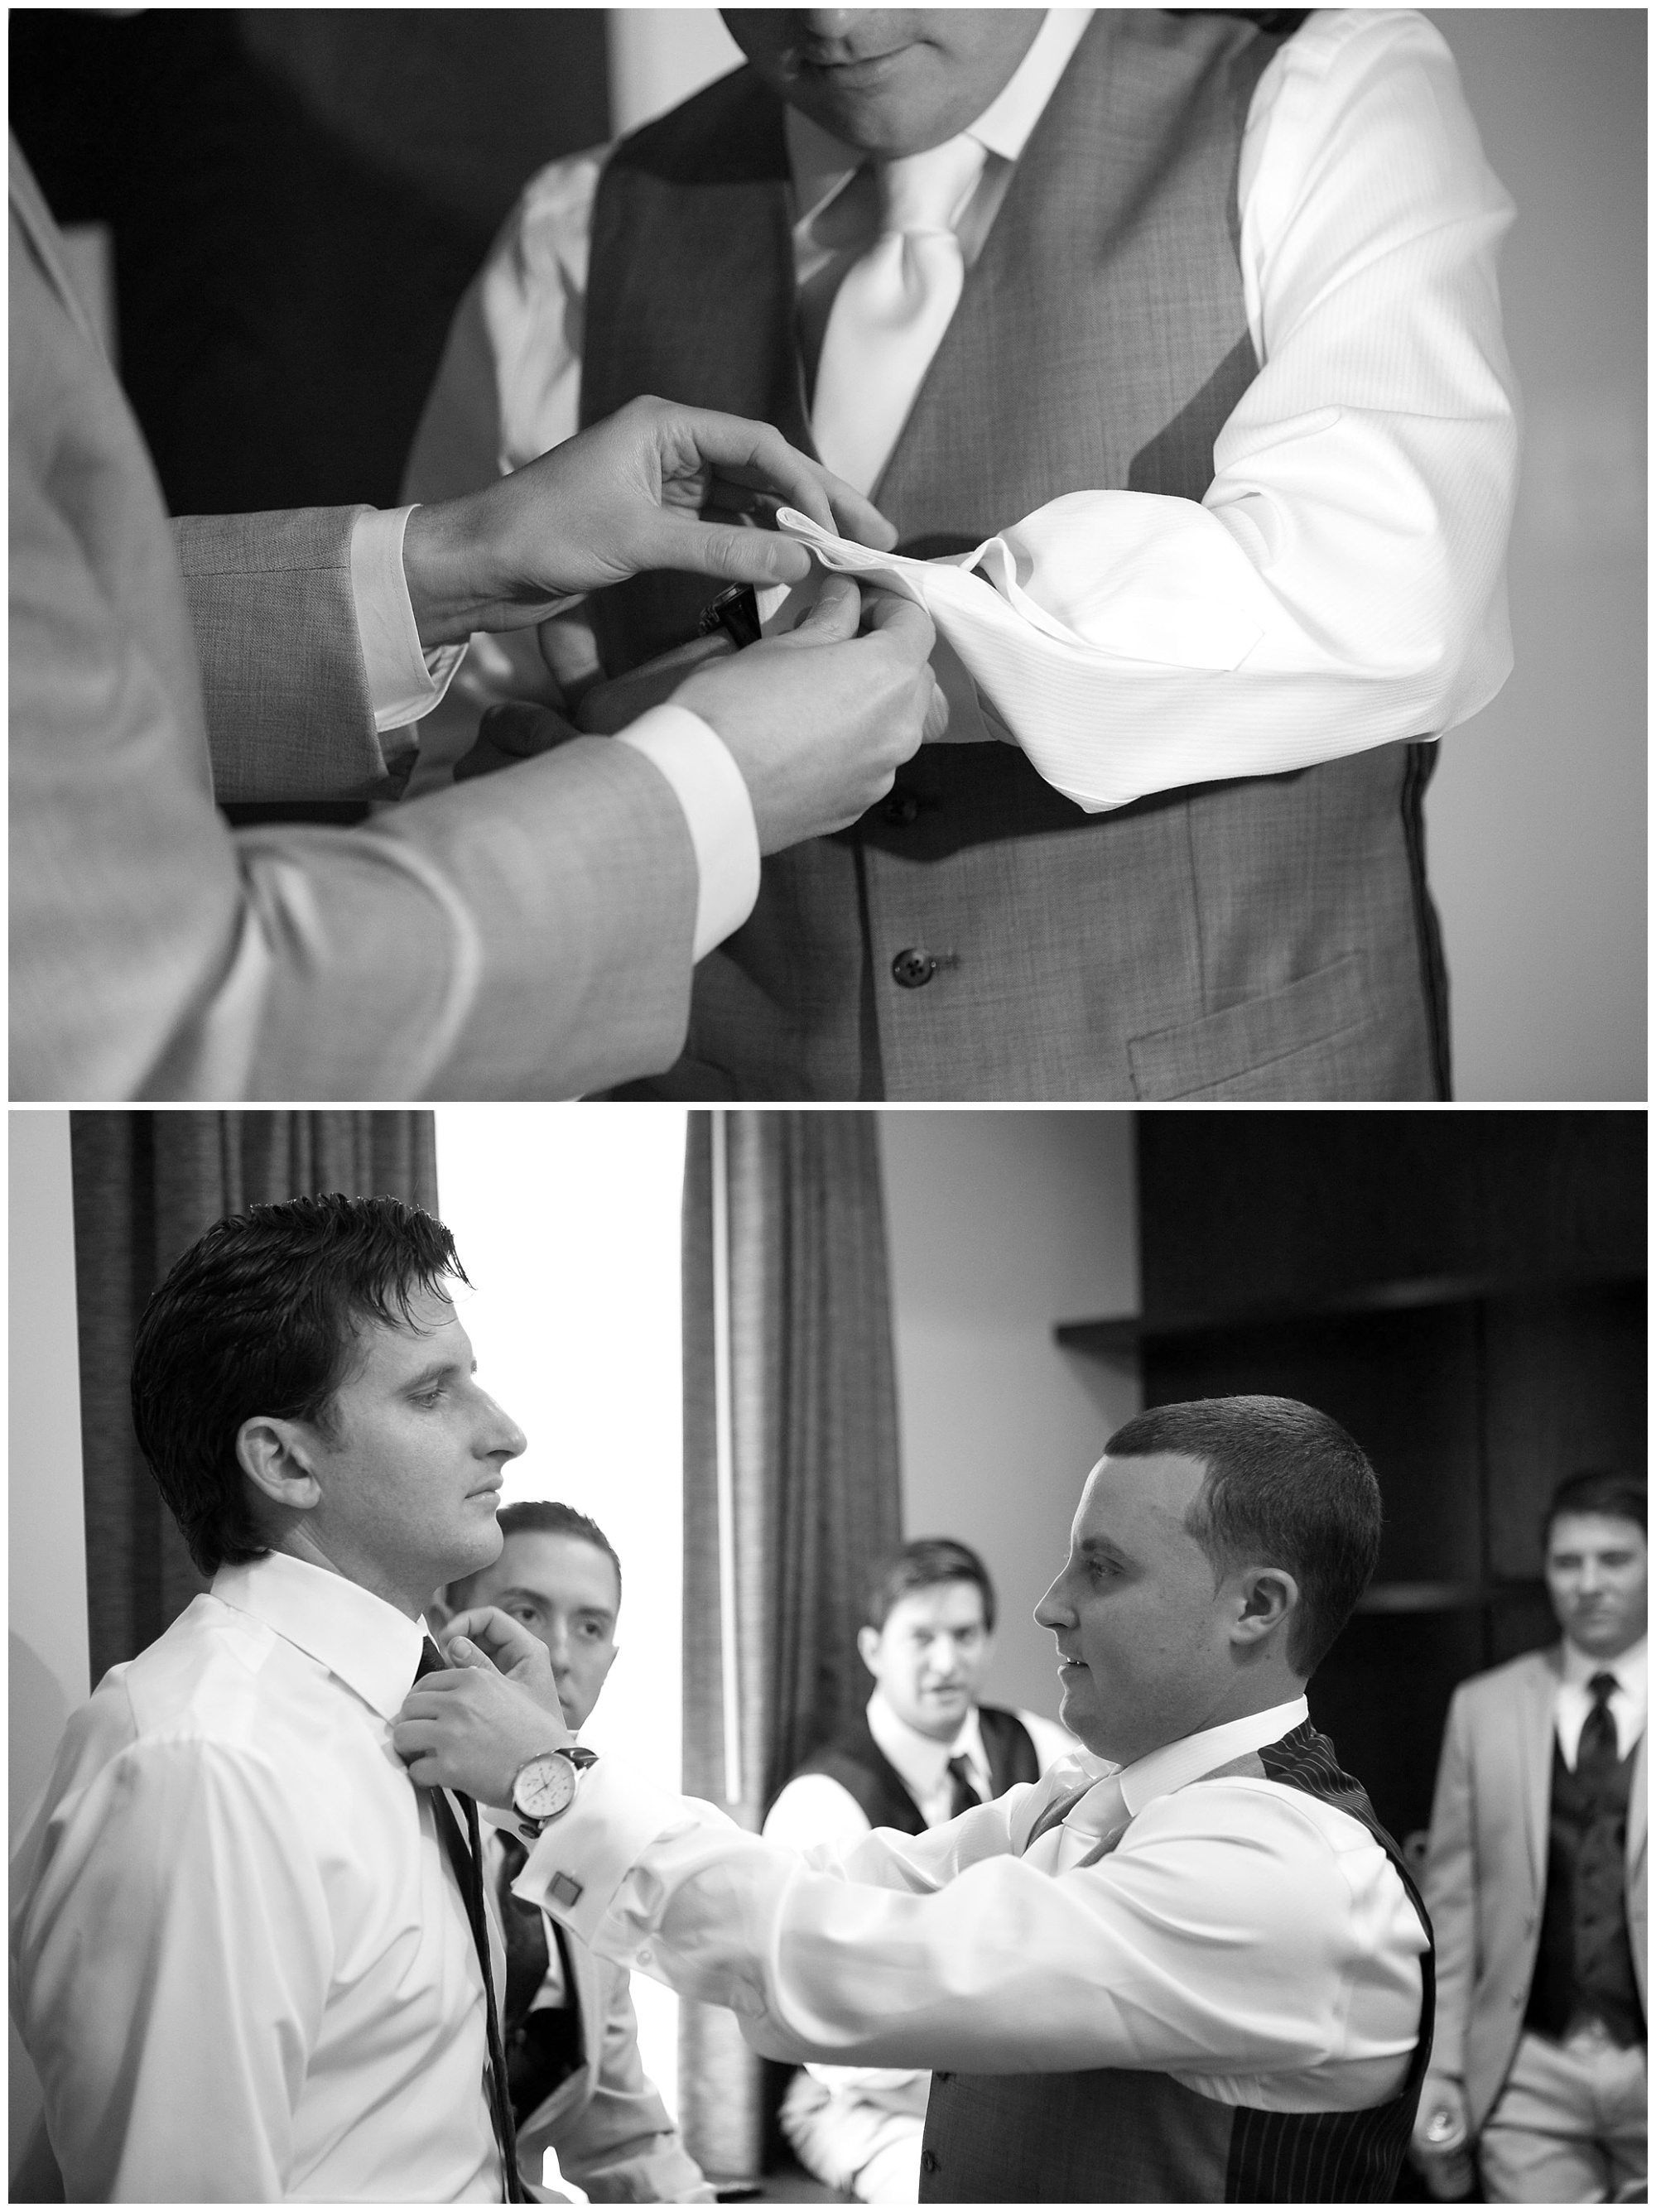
<point x="542" y="1517"/>
<point x="1285" y="1486"/>
<point x="1595" y="1490"/>
<point x="922" y="1565"/>
<point x="262" y="1316"/>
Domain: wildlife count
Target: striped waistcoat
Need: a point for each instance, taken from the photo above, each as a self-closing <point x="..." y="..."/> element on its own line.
<point x="1264" y="938"/>
<point x="1118" y="2136"/>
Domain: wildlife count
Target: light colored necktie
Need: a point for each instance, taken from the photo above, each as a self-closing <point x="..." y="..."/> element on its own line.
<point x="892" y="309"/>
<point x="1066" y="1843"/>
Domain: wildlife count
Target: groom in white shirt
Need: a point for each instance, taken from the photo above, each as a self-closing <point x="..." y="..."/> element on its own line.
<point x="1179" y="329"/>
<point x="250" y="1962"/>
<point x="1187" y="1966"/>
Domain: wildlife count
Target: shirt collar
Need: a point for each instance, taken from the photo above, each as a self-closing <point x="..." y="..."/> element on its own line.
<point x="1193" y="1756"/>
<point x="821" y="164"/>
<point x="921" y="1759"/>
<point x="369" y="1644"/>
<point x="1630" y="1669"/>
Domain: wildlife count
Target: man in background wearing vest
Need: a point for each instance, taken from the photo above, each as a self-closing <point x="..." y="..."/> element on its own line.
<point x="1536" y="1884"/>
<point x="923" y="1752"/>
<point x="1187" y="1966"/>
<point x="1181" y="330"/>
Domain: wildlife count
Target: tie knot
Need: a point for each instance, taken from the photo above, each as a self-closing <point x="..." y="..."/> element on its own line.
<point x="923" y="192"/>
<point x="431" y="1660"/>
<point x="1604" y="1687"/>
<point x="961" y="1767"/>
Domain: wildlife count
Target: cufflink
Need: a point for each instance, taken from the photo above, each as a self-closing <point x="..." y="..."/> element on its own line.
<point x="565" y="1890"/>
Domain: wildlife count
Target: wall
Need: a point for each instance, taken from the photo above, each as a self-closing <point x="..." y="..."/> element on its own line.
<point x="47" y="1586"/>
<point x="1001" y="1224"/>
<point x="1537" y="818"/>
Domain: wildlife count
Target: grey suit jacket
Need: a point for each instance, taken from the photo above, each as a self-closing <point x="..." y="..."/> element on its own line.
<point x="1485" y="1872"/>
<point x="526" y="936"/>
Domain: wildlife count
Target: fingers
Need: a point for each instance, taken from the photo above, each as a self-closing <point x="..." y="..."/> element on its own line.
<point x="858" y="518"/>
<point x="465" y="1653"/>
<point x="733" y="552"/>
<point x="903" y="622"/>
<point x="834" y="617"/>
<point x="937" y="714"/>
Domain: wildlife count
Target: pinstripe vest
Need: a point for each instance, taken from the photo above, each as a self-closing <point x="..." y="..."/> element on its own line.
<point x="1115" y="2137"/>
<point x="1266" y="938"/>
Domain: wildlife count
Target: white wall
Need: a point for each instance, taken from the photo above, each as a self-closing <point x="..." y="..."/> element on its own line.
<point x="1536" y="819"/>
<point x="1001" y="1224"/>
<point x="47" y="1643"/>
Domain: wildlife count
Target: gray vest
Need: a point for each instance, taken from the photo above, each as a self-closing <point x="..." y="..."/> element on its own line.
<point x="1113" y="2137"/>
<point x="977" y="935"/>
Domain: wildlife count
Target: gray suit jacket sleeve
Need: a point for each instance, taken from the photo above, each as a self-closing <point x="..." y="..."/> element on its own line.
<point x="618" y="2144"/>
<point x="282" y="682"/>
<point x="526" y="936"/>
<point x="1451" y="1892"/>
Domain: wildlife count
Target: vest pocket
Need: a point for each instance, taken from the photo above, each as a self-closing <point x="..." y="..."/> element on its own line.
<point x="1315" y="1038"/>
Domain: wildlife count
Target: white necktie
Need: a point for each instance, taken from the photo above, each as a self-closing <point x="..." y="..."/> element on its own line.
<point x="1089" y="1827"/>
<point x="892" y="309"/>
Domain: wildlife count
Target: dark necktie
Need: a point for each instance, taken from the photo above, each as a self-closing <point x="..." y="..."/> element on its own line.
<point x="544" y="2043"/>
<point x="1597" y="1757"/>
<point x="965" y="1795"/>
<point x="465" y="1856"/>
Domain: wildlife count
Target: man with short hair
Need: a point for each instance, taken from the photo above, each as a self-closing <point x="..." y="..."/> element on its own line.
<point x="923" y="1752"/>
<point x="251" y="1957"/>
<point x="566" y="2022"/>
<point x="1188" y="1966"/>
<point x="1536" y="1884"/>
<point x="1170" y="342"/>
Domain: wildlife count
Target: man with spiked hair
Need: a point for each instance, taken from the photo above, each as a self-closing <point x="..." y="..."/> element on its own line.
<point x="251" y="1955"/>
<point x="1186" y="1966"/>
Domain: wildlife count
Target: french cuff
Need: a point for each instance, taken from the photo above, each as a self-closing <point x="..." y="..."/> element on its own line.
<point x="708" y="786"/>
<point x="405" y="681"/>
<point x="581" y="1859"/>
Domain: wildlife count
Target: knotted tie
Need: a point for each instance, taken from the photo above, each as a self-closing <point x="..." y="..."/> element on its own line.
<point x="1597" y="1755"/>
<point x="965" y="1790"/>
<point x="465" y="1855"/>
<point x="892" y="309"/>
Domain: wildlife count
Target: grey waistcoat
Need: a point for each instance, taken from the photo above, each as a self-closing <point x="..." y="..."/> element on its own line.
<point x="1112" y="2136"/>
<point x="977" y="935"/>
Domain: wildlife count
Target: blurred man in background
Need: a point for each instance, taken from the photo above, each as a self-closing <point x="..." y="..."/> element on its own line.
<point x="1535" y="1885"/>
<point x="923" y="1752"/>
<point x="567" y="2021"/>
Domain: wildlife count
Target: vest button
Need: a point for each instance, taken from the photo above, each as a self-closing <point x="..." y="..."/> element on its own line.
<point x="914" y="966"/>
<point x="900" y="809"/>
<point x="928" y="2161"/>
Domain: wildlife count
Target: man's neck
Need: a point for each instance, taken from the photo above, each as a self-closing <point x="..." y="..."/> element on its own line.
<point x="301" y="1543"/>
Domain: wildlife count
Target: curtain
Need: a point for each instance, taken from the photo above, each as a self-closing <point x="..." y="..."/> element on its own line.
<point x="785" y="1238"/>
<point x="146" y="1186"/>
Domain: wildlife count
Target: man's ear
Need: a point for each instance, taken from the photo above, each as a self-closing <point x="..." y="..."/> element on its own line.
<point x="868" y="1644"/>
<point x="278" y="1457"/>
<point x="1266" y="1596"/>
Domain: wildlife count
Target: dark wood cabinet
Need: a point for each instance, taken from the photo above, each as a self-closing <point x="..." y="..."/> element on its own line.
<point x="1465" y="1293"/>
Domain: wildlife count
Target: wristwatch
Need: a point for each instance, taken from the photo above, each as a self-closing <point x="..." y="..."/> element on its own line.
<point x="543" y="1786"/>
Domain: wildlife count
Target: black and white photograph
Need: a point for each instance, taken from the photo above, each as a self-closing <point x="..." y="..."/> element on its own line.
<point x="1146" y="1613"/>
<point x="1198" y="460"/>
<point x="828" y="1106"/>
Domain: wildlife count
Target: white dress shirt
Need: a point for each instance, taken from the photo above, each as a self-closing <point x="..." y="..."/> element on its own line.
<point x="1574" y="1700"/>
<point x="241" y="1962"/>
<point x="1251" y="1941"/>
<point x="1342" y="583"/>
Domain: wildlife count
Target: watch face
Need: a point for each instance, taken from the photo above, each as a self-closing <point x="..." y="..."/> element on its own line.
<point x="544" y="1786"/>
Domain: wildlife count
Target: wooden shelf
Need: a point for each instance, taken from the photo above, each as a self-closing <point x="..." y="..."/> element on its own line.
<point x="1122" y="1335"/>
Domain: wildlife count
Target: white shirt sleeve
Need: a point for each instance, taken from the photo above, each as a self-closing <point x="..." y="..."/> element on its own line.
<point x="403" y="681"/>
<point x="177" y="1941"/>
<point x="814" y="1808"/>
<point x="1224" y="1940"/>
<point x="708" y="786"/>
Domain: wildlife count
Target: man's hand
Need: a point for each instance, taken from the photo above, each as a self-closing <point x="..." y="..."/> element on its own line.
<point x="628" y="495"/>
<point x="516" y="730"/>
<point x="1440" y="2148"/>
<point x="819" y="721"/>
<point x="473" y="1726"/>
